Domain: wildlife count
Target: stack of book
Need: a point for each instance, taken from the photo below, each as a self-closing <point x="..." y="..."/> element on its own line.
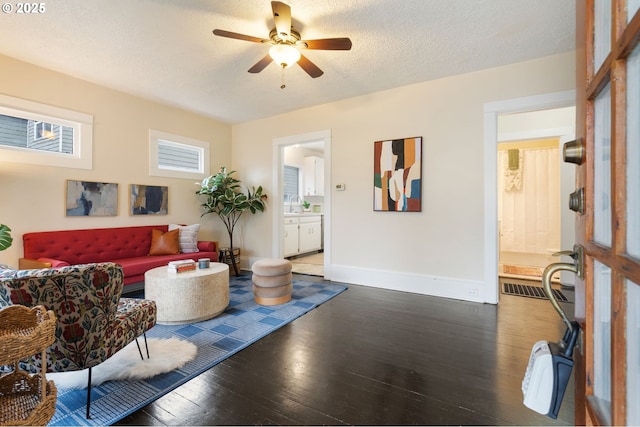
<point x="182" y="266"/>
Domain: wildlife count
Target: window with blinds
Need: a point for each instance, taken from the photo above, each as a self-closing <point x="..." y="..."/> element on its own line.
<point x="291" y="182"/>
<point x="177" y="156"/>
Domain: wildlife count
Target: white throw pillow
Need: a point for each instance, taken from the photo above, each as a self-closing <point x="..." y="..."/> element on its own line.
<point x="188" y="239"/>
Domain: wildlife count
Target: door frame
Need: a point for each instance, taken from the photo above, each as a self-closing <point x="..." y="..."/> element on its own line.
<point x="491" y="112"/>
<point x="279" y="144"/>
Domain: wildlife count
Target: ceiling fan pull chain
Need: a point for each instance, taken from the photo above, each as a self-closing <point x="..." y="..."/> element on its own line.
<point x="282" y="86"/>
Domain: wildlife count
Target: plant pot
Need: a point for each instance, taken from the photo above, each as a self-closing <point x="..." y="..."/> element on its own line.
<point x="226" y="257"/>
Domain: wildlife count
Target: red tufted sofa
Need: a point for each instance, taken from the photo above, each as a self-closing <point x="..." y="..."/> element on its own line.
<point x="127" y="246"/>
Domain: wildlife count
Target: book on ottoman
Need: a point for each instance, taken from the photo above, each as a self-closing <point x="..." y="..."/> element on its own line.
<point x="182" y="266"/>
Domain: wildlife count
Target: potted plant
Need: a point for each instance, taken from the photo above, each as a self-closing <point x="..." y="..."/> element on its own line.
<point x="225" y="198"/>
<point x="306" y="205"/>
<point x="5" y="237"/>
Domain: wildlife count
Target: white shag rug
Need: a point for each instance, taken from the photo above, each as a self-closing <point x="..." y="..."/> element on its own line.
<point x="165" y="355"/>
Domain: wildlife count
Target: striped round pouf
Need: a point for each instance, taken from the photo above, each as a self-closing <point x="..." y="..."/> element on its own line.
<point x="271" y="281"/>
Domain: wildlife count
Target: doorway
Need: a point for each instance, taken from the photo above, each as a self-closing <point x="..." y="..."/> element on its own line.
<point x="530" y="176"/>
<point x="304" y="207"/>
<point x="517" y="120"/>
<point x="528" y="206"/>
<point x="314" y="144"/>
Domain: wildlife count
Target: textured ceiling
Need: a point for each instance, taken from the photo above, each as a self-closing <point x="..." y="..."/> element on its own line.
<point x="165" y="50"/>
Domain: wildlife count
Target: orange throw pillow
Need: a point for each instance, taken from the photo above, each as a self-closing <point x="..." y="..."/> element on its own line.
<point x="165" y="243"/>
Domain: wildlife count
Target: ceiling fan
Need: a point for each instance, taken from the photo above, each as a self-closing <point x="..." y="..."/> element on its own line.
<point x="286" y="43"/>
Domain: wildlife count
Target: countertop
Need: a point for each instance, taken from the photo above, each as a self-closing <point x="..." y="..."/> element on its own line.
<point x="299" y="214"/>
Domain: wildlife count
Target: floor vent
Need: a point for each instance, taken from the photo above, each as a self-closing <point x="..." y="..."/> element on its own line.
<point x="531" y="291"/>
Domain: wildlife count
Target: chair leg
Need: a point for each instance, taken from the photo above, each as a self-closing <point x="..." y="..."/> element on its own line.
<point x="144" y="334"/>
<point x="89" y="396"/>
<point x="139" y="350"/>
<point x="146" y="345"/>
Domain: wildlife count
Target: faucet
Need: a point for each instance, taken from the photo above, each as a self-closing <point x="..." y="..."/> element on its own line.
<point x="291" y="199"/>
<point x="287" y="199"/>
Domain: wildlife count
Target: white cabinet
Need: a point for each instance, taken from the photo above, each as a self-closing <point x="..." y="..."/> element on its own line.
<point x="290" y="236"/>
<point x="313" y="176"/>
<point x="302" y="234"/>
<point x="310" y="234"/>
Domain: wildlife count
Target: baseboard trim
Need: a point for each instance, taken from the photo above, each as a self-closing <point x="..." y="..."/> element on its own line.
<point x="445" y="287"/>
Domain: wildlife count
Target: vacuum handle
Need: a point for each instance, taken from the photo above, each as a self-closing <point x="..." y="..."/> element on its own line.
<point x="577" y="254"/>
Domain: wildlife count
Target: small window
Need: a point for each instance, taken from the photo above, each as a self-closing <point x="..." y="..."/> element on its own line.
<point x="40" y="134"/>
<point x="177" y="156"/>
<point x="43" y="130"/>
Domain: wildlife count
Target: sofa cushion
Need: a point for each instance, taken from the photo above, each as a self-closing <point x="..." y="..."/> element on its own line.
<point x="188" y="239"/>
<point x="139" y="265"/>
<point x="164" y="243"/>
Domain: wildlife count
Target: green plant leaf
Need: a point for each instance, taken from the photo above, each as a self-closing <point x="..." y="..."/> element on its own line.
<point x="224" y="197"/>
<point x="5" y="237"/>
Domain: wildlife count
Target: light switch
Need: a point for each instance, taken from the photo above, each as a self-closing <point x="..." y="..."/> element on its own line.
<point x="340" y="187"/>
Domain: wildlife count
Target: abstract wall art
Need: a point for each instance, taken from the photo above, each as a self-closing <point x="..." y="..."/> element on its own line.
<point x="397" y="175"/>
<point x="148" y="199"/>
<point x="85" y="198"/>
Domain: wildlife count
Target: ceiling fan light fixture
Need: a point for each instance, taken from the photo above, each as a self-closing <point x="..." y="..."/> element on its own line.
<point x="284" y="55"/>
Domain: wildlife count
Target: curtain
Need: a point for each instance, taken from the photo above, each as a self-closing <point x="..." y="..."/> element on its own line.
<point x="530" y="212"/>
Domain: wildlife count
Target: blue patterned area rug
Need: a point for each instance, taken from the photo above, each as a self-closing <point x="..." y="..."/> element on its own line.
<point x="242" y="323"/>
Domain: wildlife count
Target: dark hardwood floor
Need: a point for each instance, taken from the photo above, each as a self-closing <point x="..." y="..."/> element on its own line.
<point x="373" y="357"/>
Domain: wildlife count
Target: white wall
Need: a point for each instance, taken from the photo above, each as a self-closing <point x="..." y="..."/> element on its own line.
<point x="438" y="251"/>
<point x="33" y="197"/>
<point x="537" y="124"/>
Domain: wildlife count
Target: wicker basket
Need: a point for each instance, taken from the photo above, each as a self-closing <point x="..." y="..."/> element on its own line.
<point x="24" y="332"/>
<point x="22" y="402"/>
<point x="26" y="399"/>
<point x="226" y="255"/>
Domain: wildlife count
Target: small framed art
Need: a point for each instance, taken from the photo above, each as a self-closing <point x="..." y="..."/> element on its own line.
<point x="148" y="199"/>
<point x="86" y="198"/>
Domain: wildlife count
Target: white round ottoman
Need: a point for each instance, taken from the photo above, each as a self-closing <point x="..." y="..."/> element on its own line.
<point x="271" y="281"/>
<point x="188" y="297"/>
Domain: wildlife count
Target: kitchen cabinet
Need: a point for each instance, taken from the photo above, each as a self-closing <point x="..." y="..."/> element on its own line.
<point x="313" y="176"/>
<point x="290" y="236"/>
<point x="310" y="234"/>
<point x="302" y="234"/>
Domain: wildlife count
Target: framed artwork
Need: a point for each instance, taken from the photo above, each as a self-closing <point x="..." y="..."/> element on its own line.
<point x="86" y="198"/>
<point x="148" y="199"/>
<point x="397" y="175"/>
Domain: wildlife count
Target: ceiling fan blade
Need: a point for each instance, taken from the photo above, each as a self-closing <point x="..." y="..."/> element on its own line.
<point x="308" y="66"/>
<point x="342" y="43"/>
<point x="238" y="36"/>
<point x="260" y="65"/>
<point x="282" y="18"/>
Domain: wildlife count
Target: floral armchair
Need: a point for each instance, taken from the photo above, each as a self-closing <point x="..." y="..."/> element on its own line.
<point x="93" y="322"/>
